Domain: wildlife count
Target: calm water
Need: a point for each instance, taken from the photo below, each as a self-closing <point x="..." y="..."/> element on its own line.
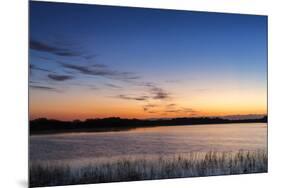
<point x="149" y="141"/>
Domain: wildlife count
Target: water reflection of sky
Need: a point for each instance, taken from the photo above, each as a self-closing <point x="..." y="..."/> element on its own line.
<point x="150" y="141"/>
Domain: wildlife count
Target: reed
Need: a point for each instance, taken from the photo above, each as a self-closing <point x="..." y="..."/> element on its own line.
<point x="147" y="168"/>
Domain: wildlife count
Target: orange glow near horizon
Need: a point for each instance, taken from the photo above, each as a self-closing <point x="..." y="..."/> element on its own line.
<point x="83" y="105"/>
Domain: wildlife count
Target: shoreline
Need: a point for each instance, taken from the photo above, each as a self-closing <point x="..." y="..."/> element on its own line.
<point x="123" y="128"/>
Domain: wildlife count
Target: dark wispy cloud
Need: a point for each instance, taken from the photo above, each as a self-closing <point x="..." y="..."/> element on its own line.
<point x="43" y="88"/>
<point x="156" y="91"/>
<point x="44" y="58"/>
<point x="90" y="57"/>
<point x="173" y="111"/>
<point x="166" y="109"/>
<point x="153" y="93"/>
<point x="81" y="69"/>
<point x="171" y="105"/>
<point x="152" y="112"/>
<point x="93" y="88"/>
<point x="139" y="98"/>
<point x="160" y="94"/>
<point x="98" y="65"/>
<point x="149" y="106"/>
<point x="189" y="111"/>
<point x="58" y="77"/>
<point x="33" y="82"/>
<point x="36" y="68"/>
<point x="101" y="71"/>
<point x="60" y="51"/>
<point x="113" y="86"/>
<point x="86" y="86"/>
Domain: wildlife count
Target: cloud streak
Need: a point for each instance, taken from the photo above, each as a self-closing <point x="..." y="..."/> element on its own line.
<point x="44" y="47"/>
<point x="182" y="110"/>
<point x="113" y="86"/>
<point x="101" y="71"/>
<point x="148" y="107"/>
<point x="57" y="77"/>
<point x="171" y="108"/>
<point x="156" y="92"/>
<point x="46" y="88"/>
<point x="140" y="98"/>
<point x="34" y="67"/>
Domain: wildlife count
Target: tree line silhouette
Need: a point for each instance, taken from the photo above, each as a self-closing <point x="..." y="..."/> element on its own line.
<point x="44" y="125"/>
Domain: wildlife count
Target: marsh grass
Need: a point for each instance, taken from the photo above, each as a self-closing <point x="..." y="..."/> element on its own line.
<point x="147" y="168"/>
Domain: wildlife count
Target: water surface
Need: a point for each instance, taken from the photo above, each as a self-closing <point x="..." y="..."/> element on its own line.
<point x="164" y="140"/>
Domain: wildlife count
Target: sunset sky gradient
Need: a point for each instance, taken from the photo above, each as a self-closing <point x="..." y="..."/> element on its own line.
<point x="89" y="61"/>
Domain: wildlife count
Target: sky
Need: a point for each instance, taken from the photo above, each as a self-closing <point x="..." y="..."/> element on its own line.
<point x="92" y="61"/>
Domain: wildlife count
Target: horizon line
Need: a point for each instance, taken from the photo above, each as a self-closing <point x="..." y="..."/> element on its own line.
<point x="159" y="118"/>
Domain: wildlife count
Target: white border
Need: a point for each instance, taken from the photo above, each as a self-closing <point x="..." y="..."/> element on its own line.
<point x="13" y="100"/>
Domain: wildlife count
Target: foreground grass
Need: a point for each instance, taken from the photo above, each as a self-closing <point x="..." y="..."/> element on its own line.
<point x="143" y="168"/>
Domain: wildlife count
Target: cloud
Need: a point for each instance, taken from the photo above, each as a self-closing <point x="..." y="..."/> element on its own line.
<point x="43" y="88"/>
<point x="33" y="82"/>
<point x="81" y="69"/>
<point x="153" y="93"/>
<point x="160" y="94"/>
<point x="87" y="86"/>
<point x="149" y="106"/>
<point x="165" y="109"/>
<point x="34" y="67"/>
<point x="90" y="57"/>
<point x="44" y="47"/>
<point x="93" y="88"/>
<point x="44" y="58"/>
<point x="113" y="86"/>
<point x="157" y="92"/>
<point x="97" y="65"/>
<point x="57" y="77"/>
<point x="140" y="98"/>
<point x="189" y="111"/>
<point x="173" y="111"/>
<point x="152" y="112"/>
<point x="101" y="71"/>
<point x="170" y="105"/>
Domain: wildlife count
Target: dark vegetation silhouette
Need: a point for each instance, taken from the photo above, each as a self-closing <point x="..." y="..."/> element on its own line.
<point x="46" y="126"/>
<point x="162" y="167"/>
